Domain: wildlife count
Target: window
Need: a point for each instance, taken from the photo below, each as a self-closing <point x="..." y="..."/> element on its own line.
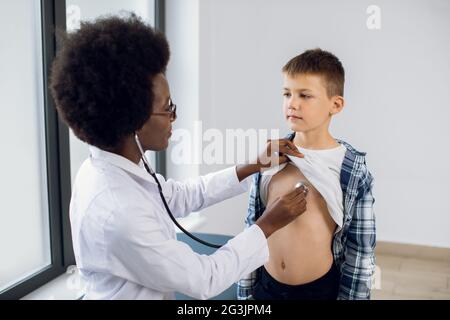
<point x="24" y="228"/>
<point x="38" y="151"/>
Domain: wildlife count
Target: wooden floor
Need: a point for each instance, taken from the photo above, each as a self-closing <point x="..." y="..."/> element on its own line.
<point x="406" y="278"/>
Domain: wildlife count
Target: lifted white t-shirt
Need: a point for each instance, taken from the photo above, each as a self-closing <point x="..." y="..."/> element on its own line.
<point x="322" y="168"/>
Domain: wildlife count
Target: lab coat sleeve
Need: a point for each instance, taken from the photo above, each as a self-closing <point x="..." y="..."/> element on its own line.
<point x="140" y="251"/>
<point x="195" y="194"/>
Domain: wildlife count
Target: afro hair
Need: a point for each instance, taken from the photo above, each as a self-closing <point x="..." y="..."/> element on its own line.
<point x="101" y="79"/>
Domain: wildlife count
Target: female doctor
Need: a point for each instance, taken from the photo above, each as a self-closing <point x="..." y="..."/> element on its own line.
<point x="109" y="86"/>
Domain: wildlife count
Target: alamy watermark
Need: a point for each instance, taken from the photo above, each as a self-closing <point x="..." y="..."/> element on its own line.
<point x="213" y="146"/>
<point x="373" y="21"/>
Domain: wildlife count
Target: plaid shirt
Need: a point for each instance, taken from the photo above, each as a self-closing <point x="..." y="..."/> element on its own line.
<point x="354" y="245"/>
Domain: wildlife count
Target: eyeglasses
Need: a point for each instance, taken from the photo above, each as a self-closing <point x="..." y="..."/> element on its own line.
<point x="172" y="112"/>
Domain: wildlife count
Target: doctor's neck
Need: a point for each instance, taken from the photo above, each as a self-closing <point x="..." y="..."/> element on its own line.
<point x="315" y="140"/>
<point x="128" y="149"/>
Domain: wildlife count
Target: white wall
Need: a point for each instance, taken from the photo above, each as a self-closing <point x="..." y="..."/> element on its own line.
<point x="397" y="93"/>
<point x="182" y="30"/>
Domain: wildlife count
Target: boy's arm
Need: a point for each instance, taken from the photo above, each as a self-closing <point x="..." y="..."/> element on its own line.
<point x="359" y="256"/>
<point x="246" y="285"/>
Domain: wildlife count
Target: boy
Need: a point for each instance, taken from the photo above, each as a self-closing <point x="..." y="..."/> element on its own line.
<point x="328" y="252"/>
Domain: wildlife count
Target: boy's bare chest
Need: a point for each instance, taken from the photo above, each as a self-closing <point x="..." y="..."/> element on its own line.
<point x="285" y="180"/>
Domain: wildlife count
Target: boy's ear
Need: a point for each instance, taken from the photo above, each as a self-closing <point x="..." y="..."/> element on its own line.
<point x="338" y="104"/>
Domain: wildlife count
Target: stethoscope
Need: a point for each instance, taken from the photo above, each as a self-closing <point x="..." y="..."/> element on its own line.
<point x="149" y="169"/>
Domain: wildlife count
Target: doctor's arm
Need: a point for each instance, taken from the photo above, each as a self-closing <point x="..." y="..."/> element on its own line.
<point x="196" y="194"/>
<point x="143" y="254"/>
<point x="141" y="248"/>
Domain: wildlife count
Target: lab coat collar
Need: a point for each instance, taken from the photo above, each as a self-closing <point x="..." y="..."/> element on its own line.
<point x="122" y="163"/>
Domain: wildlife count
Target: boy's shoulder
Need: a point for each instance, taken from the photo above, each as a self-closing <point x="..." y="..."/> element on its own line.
<point x="355" y="162"/>
<point x="347" y="145"/>
<point x="350" y="148"/>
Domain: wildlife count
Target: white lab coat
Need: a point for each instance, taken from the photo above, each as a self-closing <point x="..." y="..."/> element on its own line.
<point x="125" y="243"/>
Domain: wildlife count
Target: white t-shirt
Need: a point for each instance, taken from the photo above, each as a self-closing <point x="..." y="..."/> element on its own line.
<point x="322" y="168"/>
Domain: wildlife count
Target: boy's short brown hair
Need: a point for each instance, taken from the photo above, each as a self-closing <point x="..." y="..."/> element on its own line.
<point x="319" y="62"/>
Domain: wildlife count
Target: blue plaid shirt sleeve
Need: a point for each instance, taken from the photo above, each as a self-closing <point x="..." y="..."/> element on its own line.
<point x="359" y="258"/>
<point x="246" y="285"/>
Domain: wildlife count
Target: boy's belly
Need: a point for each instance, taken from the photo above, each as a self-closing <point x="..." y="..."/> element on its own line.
<point x="301" y="251"/>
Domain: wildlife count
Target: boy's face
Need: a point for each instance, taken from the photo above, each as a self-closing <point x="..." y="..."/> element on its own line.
<point x="306" y="104"/>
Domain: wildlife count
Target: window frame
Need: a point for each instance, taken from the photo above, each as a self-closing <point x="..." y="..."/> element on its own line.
<point x="160" y="23"/>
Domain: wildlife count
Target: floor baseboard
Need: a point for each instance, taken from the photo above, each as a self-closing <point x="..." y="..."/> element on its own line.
<point x="413" y="251"/>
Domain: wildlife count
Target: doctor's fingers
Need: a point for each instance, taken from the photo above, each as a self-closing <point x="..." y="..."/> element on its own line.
<point x="283" y="159"/>
<point x="283" y="146"/>
<point x="298" y="205"/>
<point x="299" y="196"/>
<point x="288" y="147"/>
<point x="296" y="192"/>
<point x="298" y="200"/>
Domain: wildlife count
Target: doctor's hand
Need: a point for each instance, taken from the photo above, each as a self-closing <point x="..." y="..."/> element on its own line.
<point x="276" y="151"/>
<point x="274" y="154"/>
<point x="283" y="211"/>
